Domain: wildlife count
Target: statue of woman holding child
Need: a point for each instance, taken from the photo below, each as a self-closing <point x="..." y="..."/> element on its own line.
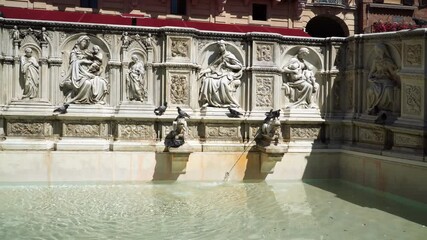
<point x="83" y="83"/>
<point x="300" y="85"/>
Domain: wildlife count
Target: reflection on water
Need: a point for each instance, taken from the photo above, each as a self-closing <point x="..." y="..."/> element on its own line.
<point x="212" y="210"/>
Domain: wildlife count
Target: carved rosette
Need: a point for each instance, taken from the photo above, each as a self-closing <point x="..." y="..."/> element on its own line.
<point x="84" y="130"/>
<point x="264" y="92"/>
<point x="179" y="89"/>
<point x="264" y="52"/>
<point x="412" y="55"/>
<point x="137" y="131"/>
<point x="370" y="135"/>
<point x="27" y="129"/>
<point x="305" y="132"/>
<point x="412" y="99"/>
<point x="222" y="132"/>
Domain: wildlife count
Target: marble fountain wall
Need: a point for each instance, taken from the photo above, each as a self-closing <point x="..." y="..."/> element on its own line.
<point x="337" y="119"/>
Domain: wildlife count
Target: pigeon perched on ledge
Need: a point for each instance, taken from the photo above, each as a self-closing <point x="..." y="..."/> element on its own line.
<point x="181" y="113"/>
<point x="272" y="115"/>
<point x="62" y="109"/>
<point x="234" y="113"/>
<point x="161" y="109"/>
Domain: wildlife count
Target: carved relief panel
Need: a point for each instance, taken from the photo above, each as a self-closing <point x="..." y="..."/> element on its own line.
<point x="178" y="48"/>
<point x="28" y="128"/>
<point x="371" y="135"/>
<point x="406" y="140"/>
<point x="223" y="132"/>
<point x="305" y="132"/>
<point x="264" y="91"/>
<point x="79" y="129"/>
<point x="264" y="53"/>
<point x="413" y="55"/>
<point x="412" y="95"/>
<point x="412" y="100"/>
<point x="136" y="130"/>
<point x="178" y="87"/>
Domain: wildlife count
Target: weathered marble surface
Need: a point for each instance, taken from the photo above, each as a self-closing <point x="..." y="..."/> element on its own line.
<point x="365" y="91"/>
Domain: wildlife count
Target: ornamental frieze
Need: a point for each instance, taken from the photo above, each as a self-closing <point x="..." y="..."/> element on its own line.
<point x="222" y="132"/>
<point x="309" y="132"/>
<point x="82" y="130"/>
<point x="371" y="135"/>
<point x="405" y="140"/>
<point x="25" y="129"/>
<point x="139" y="131"/>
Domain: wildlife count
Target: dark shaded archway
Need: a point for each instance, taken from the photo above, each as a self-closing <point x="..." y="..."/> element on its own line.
<point x="327" y="26"/>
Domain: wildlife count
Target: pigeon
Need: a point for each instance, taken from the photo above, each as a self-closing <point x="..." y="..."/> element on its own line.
<point x="276" y="114"/>
<point x="161" y="109"/>
<point x="62" y="109"/>
<point x="381" y="119"/>
<point x="234" y="113"/>
<point x="272" y="115"/>
<point x="182" y="114"/>
<point x="268" y="115"/>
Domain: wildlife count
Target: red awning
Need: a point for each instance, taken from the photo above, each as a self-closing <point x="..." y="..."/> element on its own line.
<point x="126" y="19"/>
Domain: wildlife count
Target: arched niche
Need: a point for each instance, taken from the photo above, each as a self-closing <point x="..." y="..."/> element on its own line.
<point x="69" y="44"/>
<point x="392" y="52"/>
<point x="207" y="59"/>
<point x="142" y="56"/>
<point x="313" y="59"/>
<point x="211" y="51"/>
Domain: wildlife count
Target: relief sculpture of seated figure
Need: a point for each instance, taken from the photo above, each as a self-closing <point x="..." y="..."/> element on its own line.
<point x="382" y="82"/>
<point x="220" y="80"/>
<point x="83" y="83"/>
<point x="300" y="83"/>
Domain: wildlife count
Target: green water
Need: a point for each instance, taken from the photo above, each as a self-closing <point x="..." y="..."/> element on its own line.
<point x="208" y="210"/>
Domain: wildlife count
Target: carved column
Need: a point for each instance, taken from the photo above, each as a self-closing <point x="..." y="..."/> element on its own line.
<point x="9" y="82"/>
<point x="55" y="95"/>
<point x="16" y="75"/>
<point x="3" y="86"/>
<point x="44" y="73"/>
<point x="123" y="95"/>
<point x="115" y="83"/>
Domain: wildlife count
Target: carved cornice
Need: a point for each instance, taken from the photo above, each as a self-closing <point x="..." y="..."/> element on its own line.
<point x="176" y="65"/>
<point x="264" y="69"/>
<point x="54" y="61"/>
<point x="116" y="29"/>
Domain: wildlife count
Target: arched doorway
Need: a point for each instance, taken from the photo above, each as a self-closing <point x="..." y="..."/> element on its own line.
<point x="327" y="26"/>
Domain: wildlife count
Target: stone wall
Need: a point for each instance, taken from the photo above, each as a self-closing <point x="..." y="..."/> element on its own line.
<point x="361" y="96"/>
<point x="172" y="61"/>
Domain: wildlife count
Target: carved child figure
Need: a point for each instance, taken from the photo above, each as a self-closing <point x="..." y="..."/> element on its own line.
<point x="96" y="60"/>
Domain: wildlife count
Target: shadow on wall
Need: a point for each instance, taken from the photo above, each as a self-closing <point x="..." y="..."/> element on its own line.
<point x="163" y="168"/>
<point x="253" y="166"/>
